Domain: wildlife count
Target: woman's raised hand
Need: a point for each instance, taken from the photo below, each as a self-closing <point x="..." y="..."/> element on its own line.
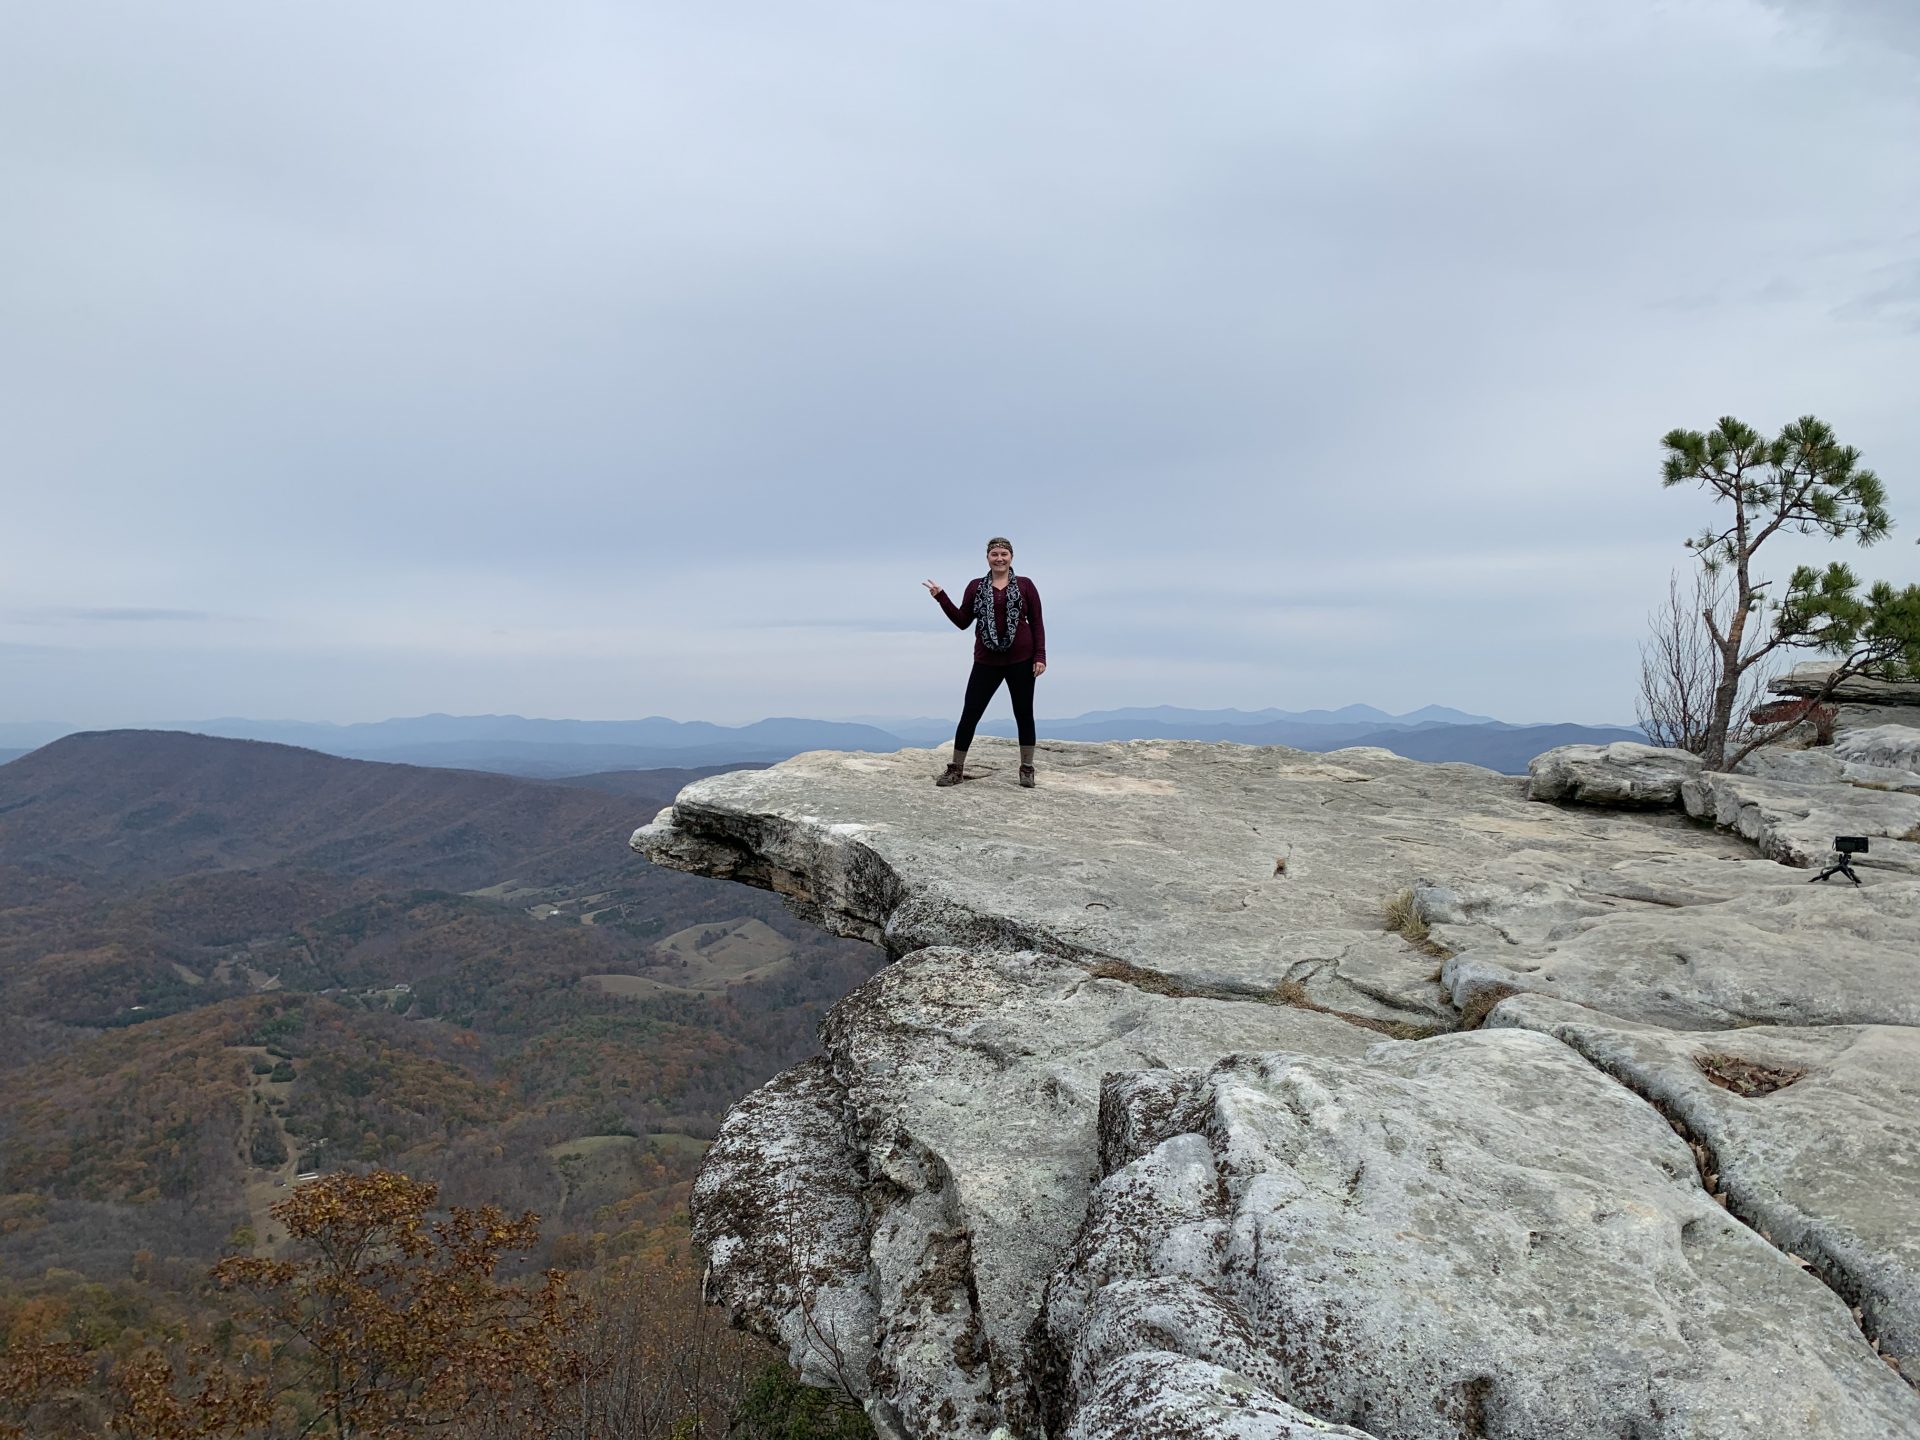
<point x="933" y="589"/>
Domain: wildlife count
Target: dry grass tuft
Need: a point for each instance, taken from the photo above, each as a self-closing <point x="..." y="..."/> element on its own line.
<point x="1474" y="1014"/>
<point x="1293" y="993"/>
<point x="1403" y="917"/>
<point x="1149" y="980"/>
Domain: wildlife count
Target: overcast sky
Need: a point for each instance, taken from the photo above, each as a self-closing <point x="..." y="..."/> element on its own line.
<point x="605" y="360"/>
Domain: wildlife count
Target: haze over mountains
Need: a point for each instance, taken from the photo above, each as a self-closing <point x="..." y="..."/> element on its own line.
<point x="513" y="745"/>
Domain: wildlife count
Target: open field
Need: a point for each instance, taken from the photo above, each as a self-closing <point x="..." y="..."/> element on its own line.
<point x="267" y="1185"/>
<point x="704" y="960"/>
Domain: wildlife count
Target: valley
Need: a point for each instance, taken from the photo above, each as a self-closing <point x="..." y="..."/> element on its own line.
<point x="226" y="966"/>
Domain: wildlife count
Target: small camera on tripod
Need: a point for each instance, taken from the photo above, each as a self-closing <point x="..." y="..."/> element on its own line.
<point x="1845" y="847"/>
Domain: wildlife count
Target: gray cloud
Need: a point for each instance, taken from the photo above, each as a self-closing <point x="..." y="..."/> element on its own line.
<point x="1892" y="297"/>
<point x="110" y="614"/>
<point x="583" y="364"/>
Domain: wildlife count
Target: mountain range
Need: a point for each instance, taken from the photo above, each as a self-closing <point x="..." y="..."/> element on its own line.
<point x="552" y="749"/>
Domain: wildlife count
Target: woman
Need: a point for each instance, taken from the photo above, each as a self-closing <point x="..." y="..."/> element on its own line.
<point x="1009" y="643"/>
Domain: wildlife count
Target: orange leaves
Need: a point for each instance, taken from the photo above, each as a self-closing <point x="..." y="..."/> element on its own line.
<point x="395" y="1320"/>
<point x="31" y="1372"/>
<point x="200" y="1400"/>
<point x="387" y="1318"/>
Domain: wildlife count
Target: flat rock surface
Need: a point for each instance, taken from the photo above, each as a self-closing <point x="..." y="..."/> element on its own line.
<point x="1475" y="1235"/>
<point x="1828" y="765"/>
<point x="1220" y="867"/>
<point x="1813" y="1135"/>
<point x="1786" y="954"/>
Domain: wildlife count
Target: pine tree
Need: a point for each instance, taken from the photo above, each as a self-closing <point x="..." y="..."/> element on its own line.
<point x="1804" y="481"/>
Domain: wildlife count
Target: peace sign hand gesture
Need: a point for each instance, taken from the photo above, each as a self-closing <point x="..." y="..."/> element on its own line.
<point x="933" y="589"/>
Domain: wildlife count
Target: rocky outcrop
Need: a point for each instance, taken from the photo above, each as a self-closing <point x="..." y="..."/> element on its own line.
<point x="1795" y="820"/>
<point x="1237" y="1091"/>
<point x="1474" y="1235"/>
<point x="1221" y="870"/>
<point x="1790" y="803"/>
<point x="778" y="1209"/>
<point x="970" y="1084"/>
<point x="1811" y="679"/>
<point x="1623" y="775"/>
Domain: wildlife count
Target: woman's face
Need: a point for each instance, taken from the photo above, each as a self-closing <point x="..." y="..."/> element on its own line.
<point x="999" y="558"/>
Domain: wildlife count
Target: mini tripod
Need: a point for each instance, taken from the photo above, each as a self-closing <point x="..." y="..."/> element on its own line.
<point x="1845" y="847"/>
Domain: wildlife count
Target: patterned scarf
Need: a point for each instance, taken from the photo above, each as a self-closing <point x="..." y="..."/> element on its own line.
<point x="984" y="626"/>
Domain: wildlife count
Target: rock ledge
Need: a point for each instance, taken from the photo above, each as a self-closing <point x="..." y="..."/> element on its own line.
<point x="1120" y="1146"/>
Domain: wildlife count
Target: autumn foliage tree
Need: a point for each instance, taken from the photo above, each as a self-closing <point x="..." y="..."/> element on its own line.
<point x="389" y="1323"/>
<point x="386" y="1318"/>
<point x="1801" y="481"/>
<point x="35" y="1372"/>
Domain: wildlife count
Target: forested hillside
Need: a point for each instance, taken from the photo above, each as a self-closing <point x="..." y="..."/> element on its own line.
<point x="227" y="964"/>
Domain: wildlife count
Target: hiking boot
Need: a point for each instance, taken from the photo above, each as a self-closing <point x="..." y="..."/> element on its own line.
<point x="1026" y="777"/>
<point x="952" y="775"/>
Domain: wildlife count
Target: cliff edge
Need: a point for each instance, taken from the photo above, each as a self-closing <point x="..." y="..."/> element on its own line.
<point x="1225" y="1091"/>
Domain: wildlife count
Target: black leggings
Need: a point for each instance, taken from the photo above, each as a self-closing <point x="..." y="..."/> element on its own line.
<point x="981" y="685"/>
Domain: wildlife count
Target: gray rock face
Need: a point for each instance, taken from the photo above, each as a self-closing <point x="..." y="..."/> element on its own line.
<point x="1477" y="1235"/>
<point x="1117" y="1148"/>
<point x="1890" y="747"/>
<point x="1812" y="1134"/>
<point x="968" y="1087"/>
<point x="1796" y="954"/>
<point x="1831" y="765"/>
<point x="1622" y="774"/>
<point x="1794" y="822"/>
<point x="1808" y="679"/>
<point x="777" y="1208"/>
<point x="1174" y="1398"/>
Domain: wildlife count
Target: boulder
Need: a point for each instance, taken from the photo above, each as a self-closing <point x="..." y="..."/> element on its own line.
<point x="1891" y="747"/>
<point x="1622" y="775"/>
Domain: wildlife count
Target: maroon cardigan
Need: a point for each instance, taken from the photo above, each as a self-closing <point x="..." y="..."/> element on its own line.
<point x="1031" y="641"/>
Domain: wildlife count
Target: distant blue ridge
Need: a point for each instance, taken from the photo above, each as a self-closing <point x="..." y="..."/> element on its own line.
<point x="514" y="745"/>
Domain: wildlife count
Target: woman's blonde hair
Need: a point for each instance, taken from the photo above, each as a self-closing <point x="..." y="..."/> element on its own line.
<point x="1000" y="540"/>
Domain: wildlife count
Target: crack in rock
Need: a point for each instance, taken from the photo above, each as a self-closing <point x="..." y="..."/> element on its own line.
<point x="1419" y="1243"/>
<point x="1822" y="1160"/>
